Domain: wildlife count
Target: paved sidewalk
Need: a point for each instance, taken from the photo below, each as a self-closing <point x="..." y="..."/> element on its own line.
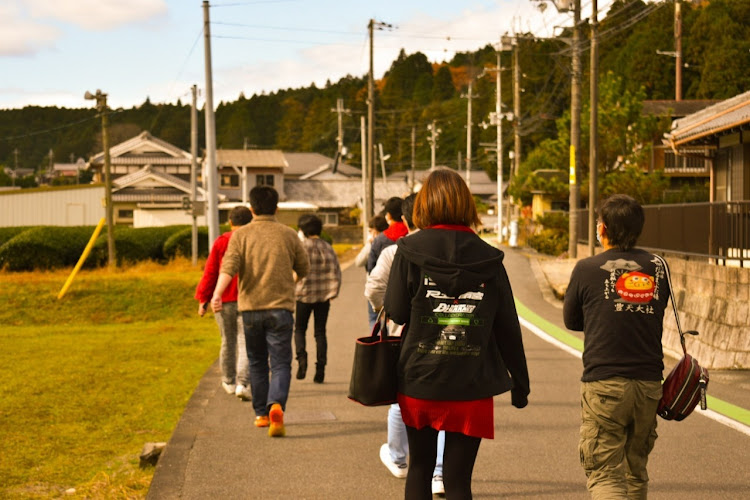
<point x="331" y="447"/>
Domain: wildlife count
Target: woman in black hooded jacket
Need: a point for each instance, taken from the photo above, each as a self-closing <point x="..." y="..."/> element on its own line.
<point x="462" y="344"/>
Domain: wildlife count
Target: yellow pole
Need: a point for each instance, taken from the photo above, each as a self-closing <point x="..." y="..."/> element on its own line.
<point x="82" y="259"/>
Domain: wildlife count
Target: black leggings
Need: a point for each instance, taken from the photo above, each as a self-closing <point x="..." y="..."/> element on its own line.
<point x="458" y="463"/>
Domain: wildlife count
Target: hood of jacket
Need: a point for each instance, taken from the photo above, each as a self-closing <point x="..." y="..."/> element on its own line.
<point x="457" y="261"/>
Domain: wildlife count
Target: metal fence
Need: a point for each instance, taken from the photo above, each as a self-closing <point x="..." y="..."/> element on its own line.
<point x="719" y="230"/>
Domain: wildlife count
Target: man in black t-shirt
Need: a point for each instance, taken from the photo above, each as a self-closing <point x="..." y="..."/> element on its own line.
<point x="618" y="298"/>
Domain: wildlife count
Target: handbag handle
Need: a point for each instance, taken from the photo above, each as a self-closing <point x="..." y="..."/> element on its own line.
<point x="674" y="305"/>
<point x="380" y="326"/>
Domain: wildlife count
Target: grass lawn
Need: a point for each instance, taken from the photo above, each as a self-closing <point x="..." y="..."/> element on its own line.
<point x="87" y="380"/>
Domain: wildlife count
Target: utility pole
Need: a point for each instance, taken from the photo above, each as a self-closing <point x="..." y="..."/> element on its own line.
<point x="193" y="172"/>
<point x="15" y="168"/>
<point x="101" y="106"/>
<point x="516" y="108"/>
<point x="371" y="26"/>
<point x="678" y="50"/>
<point x="366" y="193"/>
<point x="212" y="212"/>
<point x="370" y="196"/>
<point x="469" y="97"/>
<point x="575" y="133"/>
<point x="340" y="110"/>
<point x="412" y="180"/>
<point x="434" y="132"/>
<point x="594" y="128"/>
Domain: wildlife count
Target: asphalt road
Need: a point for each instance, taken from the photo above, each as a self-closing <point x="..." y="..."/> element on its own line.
<point x="331" y="447"/>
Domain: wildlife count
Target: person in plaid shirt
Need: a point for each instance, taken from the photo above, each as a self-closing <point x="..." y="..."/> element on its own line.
<point x="314" y="293"/>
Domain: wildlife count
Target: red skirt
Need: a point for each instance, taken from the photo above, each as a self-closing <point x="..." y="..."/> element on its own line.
<point x="474" y="418"/>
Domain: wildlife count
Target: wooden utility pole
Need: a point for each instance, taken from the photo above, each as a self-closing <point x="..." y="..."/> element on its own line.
<point x="366" y="193"/>
<point x="516" y="108"/>
<point x="194" y="172"/>
<point x="101" y="106"/>
<point x="370" y="195"/>
<point x="469" y="96"/>
<point x="340" y="110"/>
<point x="594" y="132"/>
<point x="575" y="133"/>
<point x="412" y="180"/>
<point x="211" y="181"/>
<point x="678" y="50"/>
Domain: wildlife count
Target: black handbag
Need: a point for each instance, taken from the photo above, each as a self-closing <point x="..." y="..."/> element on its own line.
<point x="374" y="378"/>
<point x="686" y="384"/>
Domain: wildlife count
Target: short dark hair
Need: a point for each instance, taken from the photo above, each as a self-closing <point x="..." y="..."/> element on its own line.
<point x="623" y="220"/>
<point x="239" y="216"/>
<point x="407" y="209"/>
<point x="445" y="199"/>
<point x="310" y="225"/>
<point x="378" y="223"/>
<point x="393" y="207"/>
<point x="264" y="200"/>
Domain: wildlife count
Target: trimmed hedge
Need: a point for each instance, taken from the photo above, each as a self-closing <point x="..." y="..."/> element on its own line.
<point x="45" y="247"/>
<point x="8" y="233"/>
<point x="180" y="243"/>
<point x="133" y="245"/>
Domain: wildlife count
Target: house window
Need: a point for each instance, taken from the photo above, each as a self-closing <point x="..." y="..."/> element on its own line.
<point x="329" y="218"/>
<point x="264" y="180"/>
<point x="697" y="163"/>
<point x="124" y="213"/>
<point x="230" y="180"/>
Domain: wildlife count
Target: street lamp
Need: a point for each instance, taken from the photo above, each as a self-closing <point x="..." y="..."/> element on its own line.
<point x="101" y="106"/>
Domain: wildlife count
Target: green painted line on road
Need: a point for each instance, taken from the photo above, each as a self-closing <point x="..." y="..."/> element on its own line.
<point x="728" y="409"/>
<point x="722" y="407"/>
<point x="551" y="328"/>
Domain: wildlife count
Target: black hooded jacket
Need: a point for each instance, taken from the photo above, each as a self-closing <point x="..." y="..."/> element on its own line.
<point x="463" y="340"/>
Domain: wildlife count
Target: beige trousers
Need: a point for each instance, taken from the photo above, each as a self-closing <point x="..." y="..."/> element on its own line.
<point x="618" y="431"/>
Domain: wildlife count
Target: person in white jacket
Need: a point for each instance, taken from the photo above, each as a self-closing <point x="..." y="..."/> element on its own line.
<point x="377" y="225"/>
<point x="394" y="453"/>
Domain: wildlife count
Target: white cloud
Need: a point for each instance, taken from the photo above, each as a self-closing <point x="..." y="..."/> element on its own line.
<point x="19" y="37"/>
<point x="97" y="15"/>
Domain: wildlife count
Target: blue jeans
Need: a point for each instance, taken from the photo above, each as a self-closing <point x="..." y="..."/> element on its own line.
<point x="233" y="353"/>
<point x="398" y="444"/>
<point x="268" y="336"/>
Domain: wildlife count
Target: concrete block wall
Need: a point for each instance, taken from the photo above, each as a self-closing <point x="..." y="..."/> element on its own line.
<point x="715" y="300"/>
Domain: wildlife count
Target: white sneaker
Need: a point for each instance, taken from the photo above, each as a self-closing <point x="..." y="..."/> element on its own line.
<point x="437" y="486"/>
<point x="398" y="470"/>
<point x="230" y="388"/>
<point x="242" y="392"/>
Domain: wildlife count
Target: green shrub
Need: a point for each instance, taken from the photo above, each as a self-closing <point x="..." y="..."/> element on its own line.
<point x="553" y="238"/>
<point x="45" y="247"/>
<point x="549" y="241"/>
<point x="7" y="233"/>
<point x="180" y="243"/>
<point x="134" y="244"/>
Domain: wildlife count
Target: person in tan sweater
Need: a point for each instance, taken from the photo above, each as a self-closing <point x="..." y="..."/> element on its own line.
<point x="265" y="254"/>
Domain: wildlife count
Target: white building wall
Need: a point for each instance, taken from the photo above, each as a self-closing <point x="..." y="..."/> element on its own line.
<point x="163" y="217"/>
<point x="82" y="206"/>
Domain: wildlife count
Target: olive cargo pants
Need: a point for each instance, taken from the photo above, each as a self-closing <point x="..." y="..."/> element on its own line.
<point x="618" y="431"/>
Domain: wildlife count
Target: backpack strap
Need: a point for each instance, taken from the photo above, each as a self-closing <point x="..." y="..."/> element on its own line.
<point x="674" y="304"/>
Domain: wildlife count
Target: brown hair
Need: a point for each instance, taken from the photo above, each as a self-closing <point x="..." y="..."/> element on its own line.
<point x="445" y="199"/>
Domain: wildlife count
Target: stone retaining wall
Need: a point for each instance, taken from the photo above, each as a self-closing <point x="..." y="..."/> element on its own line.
<point x="715" y="300"/>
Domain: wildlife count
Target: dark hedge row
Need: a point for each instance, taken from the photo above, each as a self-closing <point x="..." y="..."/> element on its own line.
<point x="51" y="247"/>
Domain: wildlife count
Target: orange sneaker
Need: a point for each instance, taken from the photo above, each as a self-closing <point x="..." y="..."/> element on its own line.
<point x="261" y="421"/>
<point x="276" y="416"/>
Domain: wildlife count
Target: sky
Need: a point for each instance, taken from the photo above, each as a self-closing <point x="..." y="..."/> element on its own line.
<point x="53" y="51"/>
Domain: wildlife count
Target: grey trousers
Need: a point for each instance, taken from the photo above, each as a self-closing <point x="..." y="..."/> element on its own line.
<point x="233" y="354"/>
<point x="618" y="431"/>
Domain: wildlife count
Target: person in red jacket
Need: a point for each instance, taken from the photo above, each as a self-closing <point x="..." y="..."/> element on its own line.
<point x="235" y="377"/>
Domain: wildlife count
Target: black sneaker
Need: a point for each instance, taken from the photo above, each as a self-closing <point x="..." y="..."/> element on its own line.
<point x="319" y="374"/>
<point x="302" y="369"/>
